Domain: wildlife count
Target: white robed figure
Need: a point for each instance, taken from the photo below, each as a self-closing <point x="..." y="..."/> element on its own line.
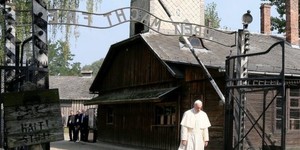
<point x="194" y="128"/>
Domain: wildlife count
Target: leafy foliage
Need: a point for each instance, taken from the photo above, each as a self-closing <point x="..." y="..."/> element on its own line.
<point x="211" y="16"/>
<point x="62" y="54"/>
<point x="95" y="66"/>
<point x="279" y="23"/>
<point x="60" y="60"/>
<point x="91" y="6"/>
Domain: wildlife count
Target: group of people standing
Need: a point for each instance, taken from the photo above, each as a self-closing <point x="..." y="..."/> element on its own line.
<point x="78" y="125"/>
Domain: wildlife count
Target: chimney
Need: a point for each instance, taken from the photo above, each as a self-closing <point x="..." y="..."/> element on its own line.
<point x="86" y="73"/>
<point x="292" y="20"/>
<point x="265" y="18"/>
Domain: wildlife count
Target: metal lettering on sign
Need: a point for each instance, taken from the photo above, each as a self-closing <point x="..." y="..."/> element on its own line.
<point x="132" y="14"/>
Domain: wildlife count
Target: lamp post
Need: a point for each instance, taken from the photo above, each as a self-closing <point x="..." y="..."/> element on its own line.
<point x="247" y="19"/>
<point x="242" y="73"/>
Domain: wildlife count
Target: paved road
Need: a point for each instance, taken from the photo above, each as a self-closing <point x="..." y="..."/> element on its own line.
<point x="68" y="145"/>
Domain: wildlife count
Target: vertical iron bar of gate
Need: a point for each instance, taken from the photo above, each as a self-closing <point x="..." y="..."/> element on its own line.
<point x="264" y="120"/>
<point x="2" y="79"/>
<point x="283" y="119"/>
<point x="228" y="127"/>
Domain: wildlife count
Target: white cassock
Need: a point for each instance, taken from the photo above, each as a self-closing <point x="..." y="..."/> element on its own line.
<point x="194" y="129"/>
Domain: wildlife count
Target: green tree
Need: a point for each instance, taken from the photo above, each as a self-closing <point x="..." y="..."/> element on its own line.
<point x="95" y="66"/>
<point x="91" y="6"/>
<point x="60" y="60"/>
<point x="211" y="16"/>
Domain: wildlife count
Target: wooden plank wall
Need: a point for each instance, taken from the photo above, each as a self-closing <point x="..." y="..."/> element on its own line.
<point x="133" y="66"/>
<point x="199" y="87"/>
<point x="134" y="125"/>
<point x="134" y="122"/>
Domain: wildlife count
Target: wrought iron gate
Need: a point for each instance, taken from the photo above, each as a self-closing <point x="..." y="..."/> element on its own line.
<point x="236" y="109"/>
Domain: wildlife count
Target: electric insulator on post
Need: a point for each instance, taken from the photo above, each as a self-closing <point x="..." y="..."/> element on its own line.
<point x="40" y="23"/>
<point x="10" y="34"/>
<point x="10" y="46"/>
<point x="247" y="38"/>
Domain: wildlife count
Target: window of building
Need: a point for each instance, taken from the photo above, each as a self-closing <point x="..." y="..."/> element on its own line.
<point x="278" y="113"/>
<point x="165" y="114"/>
<point x="293" y="109"/>
<point x="139" y="28"/>
<point x="109" y="116"/>
<point x="196" y="42"/>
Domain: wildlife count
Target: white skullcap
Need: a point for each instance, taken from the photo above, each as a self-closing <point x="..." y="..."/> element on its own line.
<point x="198" y="102"/>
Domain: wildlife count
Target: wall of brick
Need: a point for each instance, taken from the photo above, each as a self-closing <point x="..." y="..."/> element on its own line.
<point x="292" y="22"/>
<point x="265" y="18"/>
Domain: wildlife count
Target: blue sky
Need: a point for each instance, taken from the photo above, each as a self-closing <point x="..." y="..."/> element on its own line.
<point x="93" y="44"/>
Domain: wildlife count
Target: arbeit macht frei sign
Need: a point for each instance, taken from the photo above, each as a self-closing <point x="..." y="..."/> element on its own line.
<point x="131" y="14"/>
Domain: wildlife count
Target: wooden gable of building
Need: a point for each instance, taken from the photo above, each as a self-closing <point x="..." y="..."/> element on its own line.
<point x="128" y="66"/>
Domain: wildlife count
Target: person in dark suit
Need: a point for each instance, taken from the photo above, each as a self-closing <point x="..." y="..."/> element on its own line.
<point x="78" y="117"/>
<point x="71" y="125"/>
<point x="84" y="127"/>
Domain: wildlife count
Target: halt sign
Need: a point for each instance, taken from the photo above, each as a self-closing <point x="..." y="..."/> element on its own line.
<point x="32" y="117"/>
